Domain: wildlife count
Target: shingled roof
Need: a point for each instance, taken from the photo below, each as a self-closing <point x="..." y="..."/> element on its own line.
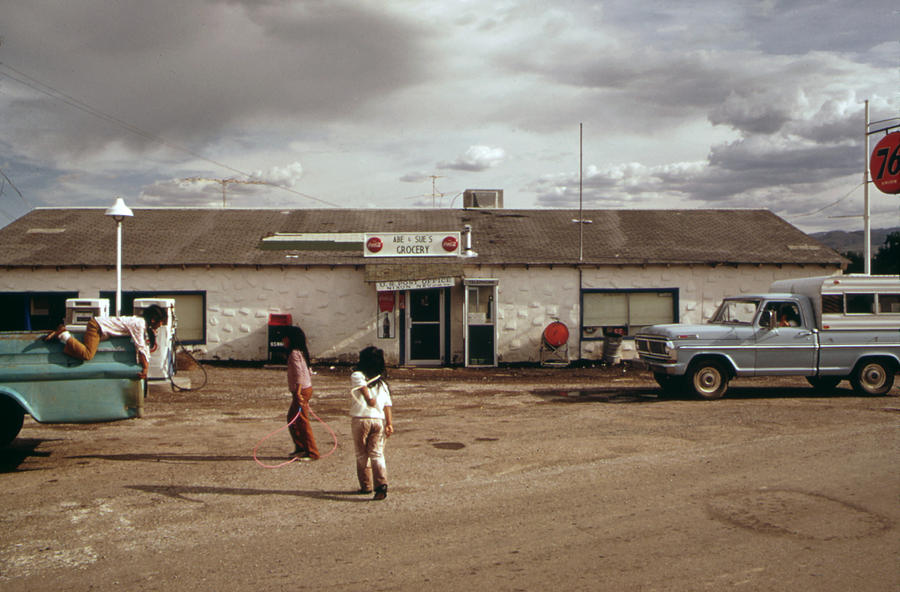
<point x="160" y="237"/>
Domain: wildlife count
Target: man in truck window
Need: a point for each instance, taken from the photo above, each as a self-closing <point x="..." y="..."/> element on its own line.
<point x="790" y="316"/>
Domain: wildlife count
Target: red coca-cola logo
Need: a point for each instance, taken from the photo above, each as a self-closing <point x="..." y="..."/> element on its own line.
<point x="450" y="244"/>
<point x="374" y="244"/>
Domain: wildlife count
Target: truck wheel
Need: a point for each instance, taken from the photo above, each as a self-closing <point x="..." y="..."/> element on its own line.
<point x="873" y="377"/>
<point x="11" y="418"/>
<point x="824" y="383"/>
<point x="709" y="379"/>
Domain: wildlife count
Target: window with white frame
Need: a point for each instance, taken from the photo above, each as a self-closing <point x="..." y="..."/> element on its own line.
<point x="190" y="312"/>
<point x="626" y="312"/>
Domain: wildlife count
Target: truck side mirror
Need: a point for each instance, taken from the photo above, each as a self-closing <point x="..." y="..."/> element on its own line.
<point x="767" y="319"/>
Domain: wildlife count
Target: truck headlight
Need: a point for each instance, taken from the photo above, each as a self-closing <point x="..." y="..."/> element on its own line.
<point x="671" y="352"/>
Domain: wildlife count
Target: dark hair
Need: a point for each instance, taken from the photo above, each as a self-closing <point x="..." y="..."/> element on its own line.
<point x="154" y="312"/>
<point x="297" y="340"/>
<point x="371" y="363"/>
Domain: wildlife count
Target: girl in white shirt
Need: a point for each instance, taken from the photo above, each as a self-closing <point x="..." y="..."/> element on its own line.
<point x="371" y="420"/>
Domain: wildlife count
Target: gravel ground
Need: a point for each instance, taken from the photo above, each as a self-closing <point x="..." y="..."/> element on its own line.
<point x="500" y="479"/>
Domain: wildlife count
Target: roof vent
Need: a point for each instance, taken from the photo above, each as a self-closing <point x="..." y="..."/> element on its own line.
<point x="483" y="198"/>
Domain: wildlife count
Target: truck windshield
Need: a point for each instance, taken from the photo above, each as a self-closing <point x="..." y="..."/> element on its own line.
<point x="736" y="312"/>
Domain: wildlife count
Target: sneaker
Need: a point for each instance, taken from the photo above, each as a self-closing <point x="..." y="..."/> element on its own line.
<point x="380" y="492"/>
<point x="363" y="491"/>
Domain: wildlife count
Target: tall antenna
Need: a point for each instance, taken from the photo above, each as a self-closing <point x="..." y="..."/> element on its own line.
<point x="225" y="182"/>
<point x="434" y="192"/>
<point x="580" y="191"/>
<point x="580" y="220"/>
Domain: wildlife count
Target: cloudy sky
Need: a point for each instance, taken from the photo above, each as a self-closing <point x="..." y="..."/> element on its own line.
<point x="405" y="103"/>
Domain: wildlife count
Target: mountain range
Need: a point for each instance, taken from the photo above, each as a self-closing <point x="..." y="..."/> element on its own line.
<point x="844" y="242"/>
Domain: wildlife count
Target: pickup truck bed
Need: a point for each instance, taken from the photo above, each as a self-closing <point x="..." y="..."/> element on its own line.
<point x="37" y="378"/>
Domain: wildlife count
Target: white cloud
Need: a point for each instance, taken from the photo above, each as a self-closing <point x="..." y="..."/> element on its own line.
<point x="288" y="175"/>
<point x="715" y="104"/>
<point x="476" y="159"/>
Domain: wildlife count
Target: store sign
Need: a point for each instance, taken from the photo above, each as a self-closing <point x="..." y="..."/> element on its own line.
<point x="885" y="163"/>
<point x="398" y="285"/>
<point x="411" y="244"/>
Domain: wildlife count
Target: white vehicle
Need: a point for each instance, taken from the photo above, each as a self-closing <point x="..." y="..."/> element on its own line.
<point x="825" y="328"/>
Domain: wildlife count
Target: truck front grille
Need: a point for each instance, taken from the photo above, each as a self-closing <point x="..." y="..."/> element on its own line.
<point x="651" y="346"/>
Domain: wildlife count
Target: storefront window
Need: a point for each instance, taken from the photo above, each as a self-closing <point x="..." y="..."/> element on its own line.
<point x="481" y="303"/>
<point x="190" y="312"/>
<point x="626" y="312"/>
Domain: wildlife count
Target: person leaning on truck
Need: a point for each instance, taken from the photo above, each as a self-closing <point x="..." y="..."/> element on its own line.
<point x="142" y="331"/>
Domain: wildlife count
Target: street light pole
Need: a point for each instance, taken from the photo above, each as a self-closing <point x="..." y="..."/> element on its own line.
<point x="119" y="211"/>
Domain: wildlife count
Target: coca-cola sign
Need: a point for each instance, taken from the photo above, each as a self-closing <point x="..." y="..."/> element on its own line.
<point x="412" y="244"/>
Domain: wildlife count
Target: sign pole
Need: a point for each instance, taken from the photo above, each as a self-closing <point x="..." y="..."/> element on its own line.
<point x="867" y="230"/>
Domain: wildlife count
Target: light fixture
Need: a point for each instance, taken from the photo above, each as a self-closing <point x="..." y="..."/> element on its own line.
<point x="119" y="211"/>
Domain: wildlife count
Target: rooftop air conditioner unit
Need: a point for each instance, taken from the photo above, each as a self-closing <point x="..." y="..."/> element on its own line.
<point x="483" y="198"/>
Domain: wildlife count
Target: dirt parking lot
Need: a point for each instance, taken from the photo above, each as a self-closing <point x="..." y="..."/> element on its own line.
<point x="504" y="479"/>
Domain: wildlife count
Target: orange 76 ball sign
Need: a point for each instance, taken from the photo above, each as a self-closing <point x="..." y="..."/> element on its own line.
<point x="885" y="163"/>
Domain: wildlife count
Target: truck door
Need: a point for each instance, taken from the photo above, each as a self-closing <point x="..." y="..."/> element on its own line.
<point x="785" y="344"/>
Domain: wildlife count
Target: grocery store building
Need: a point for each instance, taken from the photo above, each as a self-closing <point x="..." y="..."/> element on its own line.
<point x="476" y="286"/>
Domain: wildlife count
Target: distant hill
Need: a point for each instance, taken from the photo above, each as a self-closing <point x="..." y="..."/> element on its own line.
<point x="843" y="242"/>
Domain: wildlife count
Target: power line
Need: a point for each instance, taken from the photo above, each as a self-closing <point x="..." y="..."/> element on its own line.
<point x="54" y="93"/>
<point x="7" y="181"/>
<point x="848" y="194"/>
<point x="13" y="185"/>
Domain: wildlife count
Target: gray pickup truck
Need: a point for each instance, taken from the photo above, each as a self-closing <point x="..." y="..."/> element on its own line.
<point x="826" y="329"/>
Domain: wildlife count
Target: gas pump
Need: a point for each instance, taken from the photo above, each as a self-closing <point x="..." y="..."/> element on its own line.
<point x="81" y="310"/>
<point x="162" y="360"/>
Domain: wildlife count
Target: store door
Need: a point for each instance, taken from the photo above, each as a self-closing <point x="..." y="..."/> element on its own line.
<point x="425" y="327"/>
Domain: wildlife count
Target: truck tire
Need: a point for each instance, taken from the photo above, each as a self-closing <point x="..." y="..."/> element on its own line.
<point x="708" y="379"/>
<point x="11" y="418"/>
<point x="873" y="377"/>
<point x="824" y="383"/>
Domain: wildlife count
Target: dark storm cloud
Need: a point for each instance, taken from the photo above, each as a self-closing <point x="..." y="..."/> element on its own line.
<point x="188" y="70"/>
<point x="700" y="104"/>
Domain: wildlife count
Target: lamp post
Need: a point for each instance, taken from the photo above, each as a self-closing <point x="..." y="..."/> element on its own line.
<point x="119" y="211"/>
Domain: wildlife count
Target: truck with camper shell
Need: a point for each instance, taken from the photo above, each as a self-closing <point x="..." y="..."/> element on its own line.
<point x="826" y="329"/>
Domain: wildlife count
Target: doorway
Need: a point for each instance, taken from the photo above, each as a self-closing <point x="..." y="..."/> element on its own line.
<point x="425" y="327"/>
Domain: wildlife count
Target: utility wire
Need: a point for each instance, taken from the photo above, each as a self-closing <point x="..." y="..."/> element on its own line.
<point x="7" y="181"/>
<point x="13" y="185"/>
<point x="54" y="93"/>
<point x="848" y="194"/>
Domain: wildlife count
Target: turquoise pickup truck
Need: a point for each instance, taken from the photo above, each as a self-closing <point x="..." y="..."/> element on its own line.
<point x="37" y="378"/>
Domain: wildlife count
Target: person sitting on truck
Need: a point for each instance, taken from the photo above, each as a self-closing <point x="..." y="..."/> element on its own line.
<point x="142" y="331"/>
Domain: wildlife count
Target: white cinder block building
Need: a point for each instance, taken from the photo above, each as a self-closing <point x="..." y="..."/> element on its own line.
<point x="470" y="286"/>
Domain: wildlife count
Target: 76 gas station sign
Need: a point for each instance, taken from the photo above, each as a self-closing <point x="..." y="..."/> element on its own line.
<point x="885" y="164"/>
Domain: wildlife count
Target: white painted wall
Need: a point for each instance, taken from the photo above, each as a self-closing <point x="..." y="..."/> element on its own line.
<point x="338" y="310"/>
<point x="335" y="308"/>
